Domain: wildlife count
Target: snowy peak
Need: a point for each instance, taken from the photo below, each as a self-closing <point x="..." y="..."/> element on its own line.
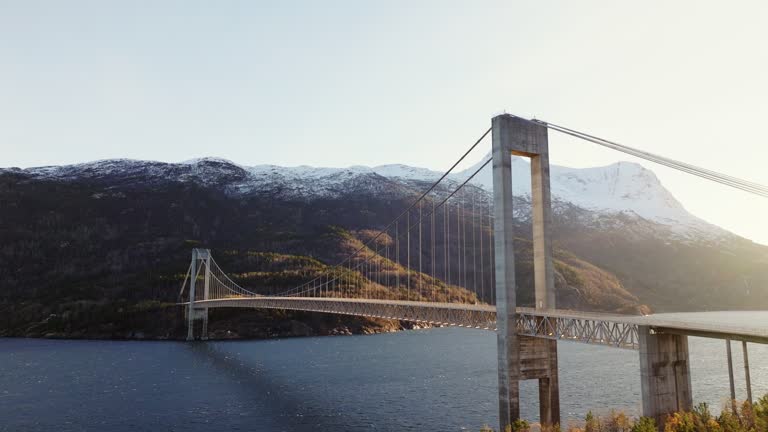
<point x="391" y="171"/>
<point x="208" y="160"/>
<point x="406" y="172"/>
<point x="97" y="169"/>
<point x="622" y="187"/>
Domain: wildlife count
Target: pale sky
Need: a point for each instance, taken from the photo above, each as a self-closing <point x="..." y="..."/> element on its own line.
<point x="338" y="83"/>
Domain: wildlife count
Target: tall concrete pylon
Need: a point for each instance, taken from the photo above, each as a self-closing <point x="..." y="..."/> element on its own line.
<point x="191" y="308"/>
<point x="520" y="137"/>
<point x="205" y="257"/>
<point x="200" y="257"/>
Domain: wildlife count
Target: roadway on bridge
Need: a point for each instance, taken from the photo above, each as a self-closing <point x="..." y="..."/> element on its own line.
<point x="751" y="326"/>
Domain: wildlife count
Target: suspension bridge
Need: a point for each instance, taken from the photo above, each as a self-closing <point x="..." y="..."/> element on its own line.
<point x="448" y="259"/>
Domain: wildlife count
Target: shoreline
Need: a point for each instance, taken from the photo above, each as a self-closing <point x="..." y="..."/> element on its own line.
<point x="338" y="331"/>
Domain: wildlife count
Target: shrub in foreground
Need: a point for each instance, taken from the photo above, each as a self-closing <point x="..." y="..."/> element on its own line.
<point x="747" y="418"/>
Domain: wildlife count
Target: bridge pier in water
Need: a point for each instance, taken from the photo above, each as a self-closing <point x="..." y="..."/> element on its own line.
<point x="538" y="360"/>
<point x="522" y="357"/>
<point x="665" y="376"/>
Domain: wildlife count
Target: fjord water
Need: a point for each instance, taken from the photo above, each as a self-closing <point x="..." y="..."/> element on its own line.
<point x="439" y="379"/>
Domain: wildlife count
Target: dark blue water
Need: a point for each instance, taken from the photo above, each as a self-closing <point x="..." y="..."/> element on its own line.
<point x="426" y="380"/>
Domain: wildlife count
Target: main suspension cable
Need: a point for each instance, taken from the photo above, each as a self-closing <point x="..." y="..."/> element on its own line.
<point x="725" y="179"/>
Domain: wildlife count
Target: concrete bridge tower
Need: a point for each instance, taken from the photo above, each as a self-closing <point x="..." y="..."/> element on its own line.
<point x="521" y="357"/>
<point x="200" y="257"/>
<point x="664" y="365"/>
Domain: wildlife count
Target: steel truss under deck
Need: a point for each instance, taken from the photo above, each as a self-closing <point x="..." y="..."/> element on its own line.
<point x="580" y="329"/>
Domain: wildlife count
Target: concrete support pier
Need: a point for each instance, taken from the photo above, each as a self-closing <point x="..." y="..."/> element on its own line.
<point x="664" y="373"/>
<point x="538" y="360"/>
<point x="523" y="357"/>
<point x="746" y="371"/>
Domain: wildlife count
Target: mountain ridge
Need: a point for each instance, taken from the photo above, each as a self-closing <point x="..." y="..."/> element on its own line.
<point x="618" y="188"/>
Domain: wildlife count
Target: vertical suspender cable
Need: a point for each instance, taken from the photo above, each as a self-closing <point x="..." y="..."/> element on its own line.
<point x="448" y="253"/>
<point x="491" y="247"/>
<point x="420" y="253"/>
<point x="386" y="273"/>
<point x="408" y="254"/>
<point x="474" y="255"/>
<point x="445" y="248"/>
<point x="448" y="242"/>
<point x="432" y="238"/>
<point x="397" y="256"/>
<point x="464" y="242"/>
<point x="460" y="250"/>
<point x="482" y="254"/>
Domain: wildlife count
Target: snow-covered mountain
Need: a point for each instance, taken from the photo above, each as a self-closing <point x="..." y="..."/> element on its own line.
<point x="623" y="188"/>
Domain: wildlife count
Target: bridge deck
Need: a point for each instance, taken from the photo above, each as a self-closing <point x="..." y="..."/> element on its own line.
<point x="589" y="327"/>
